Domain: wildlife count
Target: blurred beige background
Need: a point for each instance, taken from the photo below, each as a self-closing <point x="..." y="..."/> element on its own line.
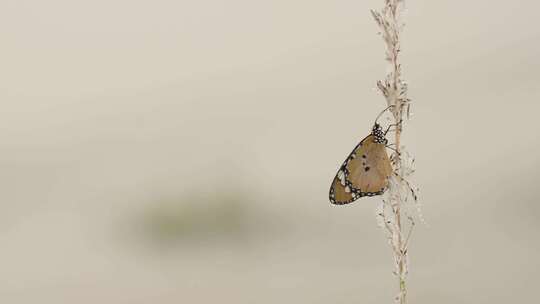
<point x="181" y="151"/>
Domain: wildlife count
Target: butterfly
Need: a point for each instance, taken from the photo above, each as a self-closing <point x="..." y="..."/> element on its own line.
<point x="365" y="172"/>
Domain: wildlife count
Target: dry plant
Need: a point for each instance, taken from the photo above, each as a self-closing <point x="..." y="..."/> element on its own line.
<point x="393" y="215"/>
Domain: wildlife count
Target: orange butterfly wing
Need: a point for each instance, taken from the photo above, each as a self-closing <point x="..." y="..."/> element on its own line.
<point x="370" y="169"/>
<point x="365" y="172"/>
<point x="340" y="192"/>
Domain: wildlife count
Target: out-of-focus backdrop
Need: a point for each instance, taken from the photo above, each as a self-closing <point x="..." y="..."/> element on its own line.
<point x="181" y="151"/>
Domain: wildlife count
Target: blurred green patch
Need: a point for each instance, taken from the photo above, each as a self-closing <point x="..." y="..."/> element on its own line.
<point x="220" y="216"/>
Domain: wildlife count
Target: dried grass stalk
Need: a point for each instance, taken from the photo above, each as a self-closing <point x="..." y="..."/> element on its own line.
<point x="391" y="212"/>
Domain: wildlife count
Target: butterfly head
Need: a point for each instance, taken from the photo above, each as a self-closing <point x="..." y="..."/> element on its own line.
<point x="378" y="134"/>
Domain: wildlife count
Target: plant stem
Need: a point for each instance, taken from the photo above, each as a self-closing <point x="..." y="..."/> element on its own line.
<point x="394" y="90"/>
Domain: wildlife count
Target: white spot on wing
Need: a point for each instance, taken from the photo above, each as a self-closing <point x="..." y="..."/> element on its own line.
<point x="341" y="176"/>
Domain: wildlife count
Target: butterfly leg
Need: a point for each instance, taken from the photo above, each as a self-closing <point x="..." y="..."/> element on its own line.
<point x="393" y="125"/>
<point x="393" y="149"/>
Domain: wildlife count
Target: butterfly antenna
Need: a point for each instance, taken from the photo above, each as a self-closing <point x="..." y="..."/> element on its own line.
<point x="379" y="116"/>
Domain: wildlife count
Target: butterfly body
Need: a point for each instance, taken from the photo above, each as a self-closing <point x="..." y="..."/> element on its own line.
<point x="365" y="172"/>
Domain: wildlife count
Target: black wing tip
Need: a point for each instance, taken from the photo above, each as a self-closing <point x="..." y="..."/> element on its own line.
<point x="333" y="200"/>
